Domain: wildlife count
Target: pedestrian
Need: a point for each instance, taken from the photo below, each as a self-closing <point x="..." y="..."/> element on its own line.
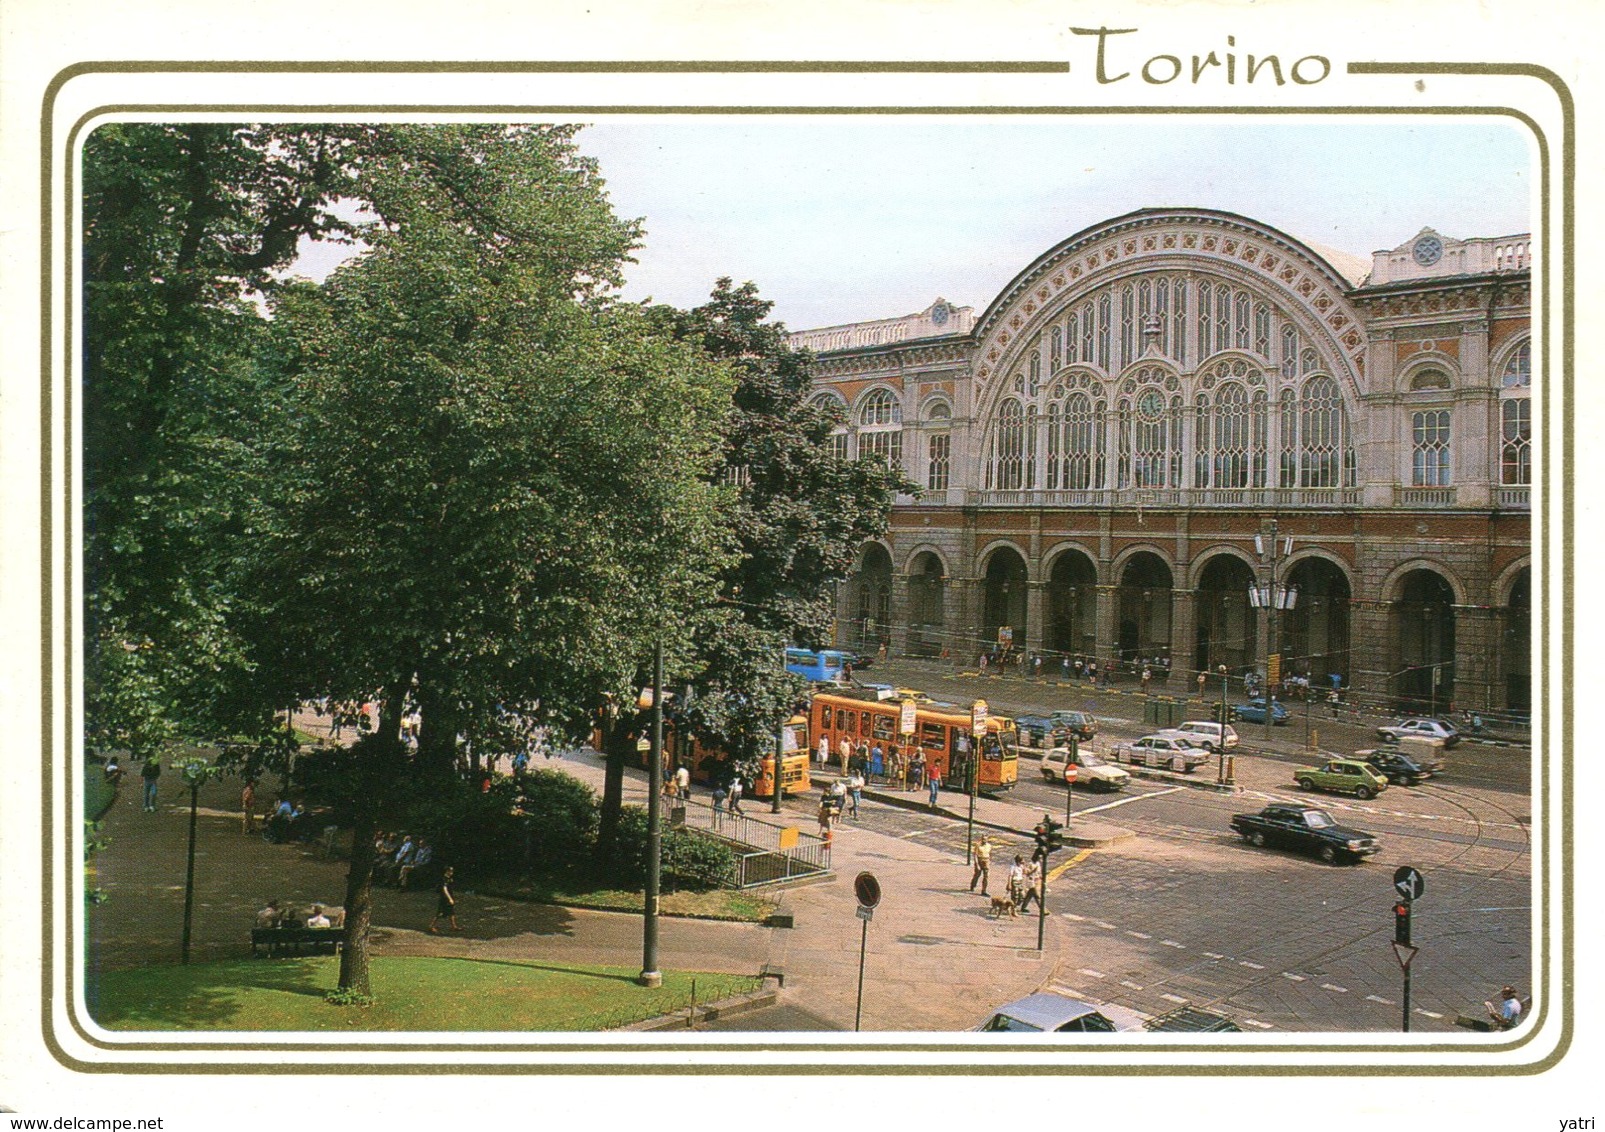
<point x="1036" y="667"/>
<point x="1030" y="887"/>
<point x="933" y="783"/>
<point x="1147" y="675"/>
<point x="149" y="773"/>
<point x="1064" y="666"/>
<point x="982" y="664"/>
<point x="983" y="863"/>
<point x="733" y="804"/>
<point x="1201" y="679"/>
<point x="855" y="791"/>
<point x="824" y="749"/>
<point x="824" y="815"/>
<point x="844" y="751"/>
<point x="1016" y="883"/>
<point x="894" y="768"/>
<point x="682" y="779"/>
<point x="1081" y="669"/>
<point x="877" y="764"/>
<point x="248" y="805"/>
<point x="445" y="903"/>
<point x="880" y="653"/>
<point x="718" y="797"/>
<point x="1332" y="702"/>
<point x="1508" y="1011"/>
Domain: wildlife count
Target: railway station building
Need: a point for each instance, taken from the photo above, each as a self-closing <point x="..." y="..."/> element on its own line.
<point x="1184" y="438"/>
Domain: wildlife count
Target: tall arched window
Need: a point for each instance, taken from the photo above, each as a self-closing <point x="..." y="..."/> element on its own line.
<point x="1105" y="317"/>
<point x="832" y="405"/>
<point x="1516" y="441"/>
<point x="880" y="428"/>
<point x="1287" y="459"/>
<point x="1321" y="434"/>
<point x="1083" y="442"/>
<point x="1008" y="462"/>
<point x="1519" y="369"/>
<point x="938" y="447"/>
<point x="1260" y="425"/>
<point x="1231" y="437"/>
<point x="1289" y="350"/>
<point x="1429" y="448"/>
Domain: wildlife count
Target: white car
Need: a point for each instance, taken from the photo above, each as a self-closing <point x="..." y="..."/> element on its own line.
<point x="1091" y="771"/>
<point x="1165" y="749"/>
<point x="1439" y="729"/>
<point x="1209" y="733"/>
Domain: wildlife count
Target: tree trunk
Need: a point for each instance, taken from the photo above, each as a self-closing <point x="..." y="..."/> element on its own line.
<point x="617" y="745"/>
<point x="359" y="880"/>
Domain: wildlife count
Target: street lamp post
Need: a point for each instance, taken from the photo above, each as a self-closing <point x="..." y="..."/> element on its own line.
<point x="195" y="771"/>
<point x="1220" y="778"/>
<point x="1273" y="598"/>
<point x="651" y="976"/>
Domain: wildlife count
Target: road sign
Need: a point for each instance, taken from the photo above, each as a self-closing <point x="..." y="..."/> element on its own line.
<point x="865" y="914"/>
<point x="868" y="889"/>
<point x="978" y="715"/>
<point x="906" y="720"/>
<point x="1409" y="882"/>
<point x="1069" y="772"/>
<point x="1404" y="953"/>
<point x="1273" y="669"/>
<point x="788" y="837"/>
<point x="643" y="744"/>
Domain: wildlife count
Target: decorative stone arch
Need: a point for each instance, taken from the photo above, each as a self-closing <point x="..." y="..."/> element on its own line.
<point x="1502" y="357"/>
<point x="863" y="398"/>
<point x="1201" y="557"/>
<point x="1506" y="581"/>
<point x="1390" y="588"/>
<point x="1421" y="635"/>
<point x="924" y="612"/>
<point x="1251" y="255"/>
<point x="1142" y="622"/>
<point x="933" y="402"/>
<point x="1423" y="361"/>
<point x="1309" y="553"/>
<point x="1317" y="632"/>
<point x="868" y="592"/>
<point x="1069" y="569"/>
<point x="983" y="556"/>
<point x="1117" y="564"/>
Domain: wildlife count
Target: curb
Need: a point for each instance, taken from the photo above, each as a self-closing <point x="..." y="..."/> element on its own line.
<point x="687" y="1017"/>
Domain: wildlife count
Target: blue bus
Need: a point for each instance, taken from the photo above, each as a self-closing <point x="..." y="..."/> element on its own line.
<point x="823" y="666"/>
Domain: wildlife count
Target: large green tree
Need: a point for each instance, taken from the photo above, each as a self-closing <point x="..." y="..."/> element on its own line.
<point x="489" y="487"/>
<point x="801" y="515"/>
<point x="183" y="225"/>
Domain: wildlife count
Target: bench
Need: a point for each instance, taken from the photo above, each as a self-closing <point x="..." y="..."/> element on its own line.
<point x="296" y="941"/>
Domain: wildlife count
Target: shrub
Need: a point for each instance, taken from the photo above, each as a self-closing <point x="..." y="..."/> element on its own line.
<point x="689" y="860"/>
<point x="558" y="814"/>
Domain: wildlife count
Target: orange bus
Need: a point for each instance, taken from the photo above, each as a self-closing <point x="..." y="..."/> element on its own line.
<point x="941" y="731"/>
<point x="706" y="762"/>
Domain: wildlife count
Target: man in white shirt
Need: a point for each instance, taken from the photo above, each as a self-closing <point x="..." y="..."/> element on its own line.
<point x="317" y="919"/>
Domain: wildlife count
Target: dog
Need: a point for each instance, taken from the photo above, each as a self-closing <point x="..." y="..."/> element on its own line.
<point x="1004" y="905"/>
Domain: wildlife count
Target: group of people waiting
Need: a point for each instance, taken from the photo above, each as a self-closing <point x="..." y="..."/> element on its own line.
<point x="279" y="915"/>
<point x="400" y="859"/>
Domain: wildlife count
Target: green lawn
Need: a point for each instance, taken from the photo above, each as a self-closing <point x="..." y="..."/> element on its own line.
<point x="575" y="891"/>
<point x="410" y="994"/>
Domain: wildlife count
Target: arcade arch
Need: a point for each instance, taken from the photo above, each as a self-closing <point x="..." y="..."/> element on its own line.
<point x="1072" y="605"/>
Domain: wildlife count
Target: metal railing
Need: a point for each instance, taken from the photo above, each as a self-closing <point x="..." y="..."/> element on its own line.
<point x="1289" y="497"/>
<point x="761" y="859"/>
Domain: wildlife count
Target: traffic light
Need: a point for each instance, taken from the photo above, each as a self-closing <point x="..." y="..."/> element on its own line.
<point x="1401" y="923"/>
<point x="1048" y="837"/>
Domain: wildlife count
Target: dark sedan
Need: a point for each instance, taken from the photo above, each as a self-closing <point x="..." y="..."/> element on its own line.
<point x="1401" y="770"/>
<point x="1307" y="830"/>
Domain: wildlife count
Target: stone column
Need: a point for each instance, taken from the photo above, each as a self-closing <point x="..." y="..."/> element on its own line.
<point x="967" y="625"/>
<point x="899" y="611"/>
<point x="1371" y="650"/>
<point x="1033" y="617"/>
<point x="1478" y="635"/>
<point x="1108" y="643"/>
<point x="1183" y="640"/>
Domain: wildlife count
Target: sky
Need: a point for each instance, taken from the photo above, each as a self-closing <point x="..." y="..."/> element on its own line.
<point x="851" y="218"/>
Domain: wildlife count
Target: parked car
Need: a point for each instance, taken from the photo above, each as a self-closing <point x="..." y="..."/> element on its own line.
<point x="1254" y="712"/>
<point x="1191" y="1020"/>
<point x="1079" y="723"/>
<point x="1058" y="1014"/>
<point x="1440" y="729"/>
<point x="1035" y="730"/>
<point x="1209" y="733"/>
<point x="1307" y="830"/>
<point x="1399" y="769"/>
<point x="1342" y="776"/>
<point x="1091" y="771"/>
<point x="1163" y="750"/>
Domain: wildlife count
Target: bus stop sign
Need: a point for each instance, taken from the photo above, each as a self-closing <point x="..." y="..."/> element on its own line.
<point x="909" y="713"/>
<point x="978" y="715"/>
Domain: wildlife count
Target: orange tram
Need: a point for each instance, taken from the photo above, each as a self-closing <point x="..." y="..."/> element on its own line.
<point x="709" y="765"/>
<point x="942" y="731"/>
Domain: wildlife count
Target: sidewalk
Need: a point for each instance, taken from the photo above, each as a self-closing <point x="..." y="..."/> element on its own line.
<point x="932" y="942"/>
